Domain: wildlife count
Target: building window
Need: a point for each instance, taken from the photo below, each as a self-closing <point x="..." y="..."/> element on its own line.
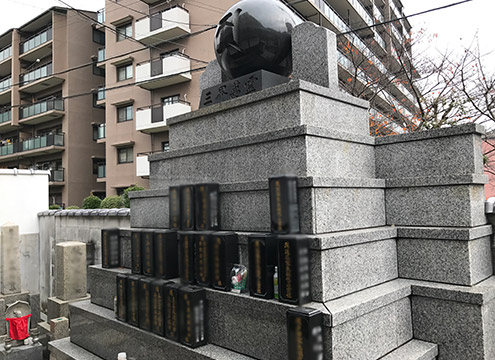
<point x="124" y="31"/>
<point x="171" y="100"/>
<point x="124" y="113"/>
<point x="124" y="72"/>
<point x="165" y="146"/>
<point x="124" y="155"/>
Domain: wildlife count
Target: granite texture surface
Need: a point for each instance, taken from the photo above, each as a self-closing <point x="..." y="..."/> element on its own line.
<point x="103" y="285"/>
<point x="10" y="264"/>
<point x="59" y="328"/>
<point x="451" y="206"/>
<point x="63" y="349"/>
<point x="70" y="270"/>
<point x="446" y="261"/>
<point x="95" y="329"/>
<point x="24" y="352"/>
<point x="374" y="334"/>
<point x="344" y="270"/>
<point x="35" y="303"/>
<point x="454" y="155"/>
<point x="60" y="308"/>
<point x="443" y="180"/>
<point x="414" y="350"/>
<point x="488" y="313"/>
<point x="149" y="212"/>
<point x="314" y="55"/>
<point x="445" y="233"/>
<point x="212" y="75"/>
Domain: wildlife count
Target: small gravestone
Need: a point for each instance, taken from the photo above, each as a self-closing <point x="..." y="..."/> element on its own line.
<point x="10" y="261"/>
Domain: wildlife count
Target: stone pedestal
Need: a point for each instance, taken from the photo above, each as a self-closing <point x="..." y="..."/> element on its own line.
<point x="24" y="352"/>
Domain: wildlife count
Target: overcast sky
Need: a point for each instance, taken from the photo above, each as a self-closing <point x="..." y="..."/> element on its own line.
<point x="455" y="26"/>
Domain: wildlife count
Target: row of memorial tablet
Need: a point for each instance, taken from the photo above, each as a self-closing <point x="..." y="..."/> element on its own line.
<point x="197" y="207"/>
<point x="163" y="307"/>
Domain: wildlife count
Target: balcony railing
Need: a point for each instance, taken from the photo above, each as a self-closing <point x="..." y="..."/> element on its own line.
<point x="100" y="95"/>
<point x="32" y="144"/>
<point x="165" y="71"/>
<point x="101" y="54"/>
<point x="41" y="107"/>
<point x="5" y="116"/>
<point x="102" y="171"/>
<point x="36" y="40"/>
<point x="154" y="118"/>
<point x="5" y="53"/>
<point x="100" y="16"/>
<point x="57" y="175"/>
<point x="378" y="14"/>
<point x="5" y="83"/>
<point x="362" y="11"/>
<point x="102" y="132"/>
<point x="163" y="26"/>
<point x="36" y="74"/>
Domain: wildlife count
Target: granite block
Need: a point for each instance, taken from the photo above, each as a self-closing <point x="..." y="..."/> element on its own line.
<point x="64" y="349"/>
<point x="446" y="233"/>
<point x="35" y="303"/>
<point x="344" y="270"/>
<point x="454" y="206"/>
<point x="444" y="180"/>
<point x="447" y="261"/>
<point x="57" y="308"/>
<point x="414" y="350"/>
<point x="151" y="212"/>
<point x="294" y="103"/>
<point x="314" y="55"/>
<point x="103" y="285"/>
<point x="212" y="75"/>
<point x="10" y="270"/>
<point x="70" y="270"/>
<point x="59" y="328"/>
<point x="488" y="314"/>
<point x="457" y="328"/>
<point x="24" y="352"/>
<point x="96" y="330"/>
<point x="453" y="155"/>
<point x="374" y="334"/>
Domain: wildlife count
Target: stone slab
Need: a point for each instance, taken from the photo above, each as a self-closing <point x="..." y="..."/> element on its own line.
<point x="24" y="352"/>
<point x="64" y="349"/>
<point x="70" y="270"/>
<point x="414" y="350"/>
<point x="445" y="233"/>
<point x="60" y="308"/>
<point x="95" y="329"/>
<point x="59" y="328"/>
<point x="302" y="151"/>
<point x="444" y="180"/>
<point x="10" y="270"/>
<point x="295" y="103"/>
<point x="103" y="285"/>
<point x="437" y="206"/>
<point x="446" y="261"/>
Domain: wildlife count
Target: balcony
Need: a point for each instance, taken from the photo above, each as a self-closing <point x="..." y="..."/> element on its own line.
<point x="40" y="145"/>
<point x="5" y="87"/>
<point x="142" y="164"/>
<point x="57" y="176"/>
<point x="5" y="116"/>
<point x="101" y="132"/>
<point x="39" y="79"/>
<point x="102" y="171"/>
<point x="162" y="72"/>
<point x="42" y="111"/>
<point x="163" y="26"/>
<point x="100" y="16"/>
<point x="154" y="118"/>
<point x="6" y="60"/>
<point x="37" y="46"/>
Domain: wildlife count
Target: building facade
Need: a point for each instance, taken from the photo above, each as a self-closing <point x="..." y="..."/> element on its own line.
<point x="46" y="110"/>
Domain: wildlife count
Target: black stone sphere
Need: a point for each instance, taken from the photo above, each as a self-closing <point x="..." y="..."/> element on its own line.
<point x="255" y="35"/>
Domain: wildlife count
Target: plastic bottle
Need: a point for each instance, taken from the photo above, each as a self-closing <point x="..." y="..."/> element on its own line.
<point x="275" y="283"/>
<point x="122" y="356"/>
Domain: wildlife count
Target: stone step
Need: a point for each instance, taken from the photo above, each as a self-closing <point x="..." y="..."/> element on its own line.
<point x="64" y="349"/>
<point x="95" y="329"/>
<point x="335" y="272"/>
<point x="414" y="350"/>
<point x="325" y="205"/>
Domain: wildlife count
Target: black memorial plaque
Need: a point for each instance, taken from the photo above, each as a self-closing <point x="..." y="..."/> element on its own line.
<point x="243" y="85"/>
<point x="174" y="207"/>
<point x="186" y="256"/>
<point x="284" y="206"/>
<point x="207" y="206"/>
<point x="224" y="253"/>
<point x="202" y="258"/>
<point x="136" y="258"/>
<point x="121" y="311"/>
<point x="172" y="311"/>
<point x="187" y="207"/>
<point x="145" y="303"/>
<point x="158" y="293"/>
<point x="133" y="299"/>
<point x="192" y="302"/>
<point x="147" y="252"/>
<point x="110" y="248"/>
<point x="305" y="334"/>
<point x="262" y="261"/>
<point x="166" y="248"/>
<point x="293" y="268"/>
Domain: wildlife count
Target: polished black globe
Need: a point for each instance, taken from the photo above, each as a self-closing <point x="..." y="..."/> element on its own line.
<point x="255" y="35"/>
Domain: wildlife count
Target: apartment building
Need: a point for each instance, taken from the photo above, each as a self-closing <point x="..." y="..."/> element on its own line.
<point x="154" y="48"/>
<point x="47" y="111"/>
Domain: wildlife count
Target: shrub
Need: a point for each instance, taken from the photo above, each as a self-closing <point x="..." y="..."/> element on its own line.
<point x="73" y="207"/>
<point x="112" y="202"/>
<point x="55" y="207"/>
<point x="125" y="196"/>
<point x="91" y="202"/>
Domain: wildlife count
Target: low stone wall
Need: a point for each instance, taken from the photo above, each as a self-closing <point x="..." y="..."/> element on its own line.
<point x="58" y="226"/>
